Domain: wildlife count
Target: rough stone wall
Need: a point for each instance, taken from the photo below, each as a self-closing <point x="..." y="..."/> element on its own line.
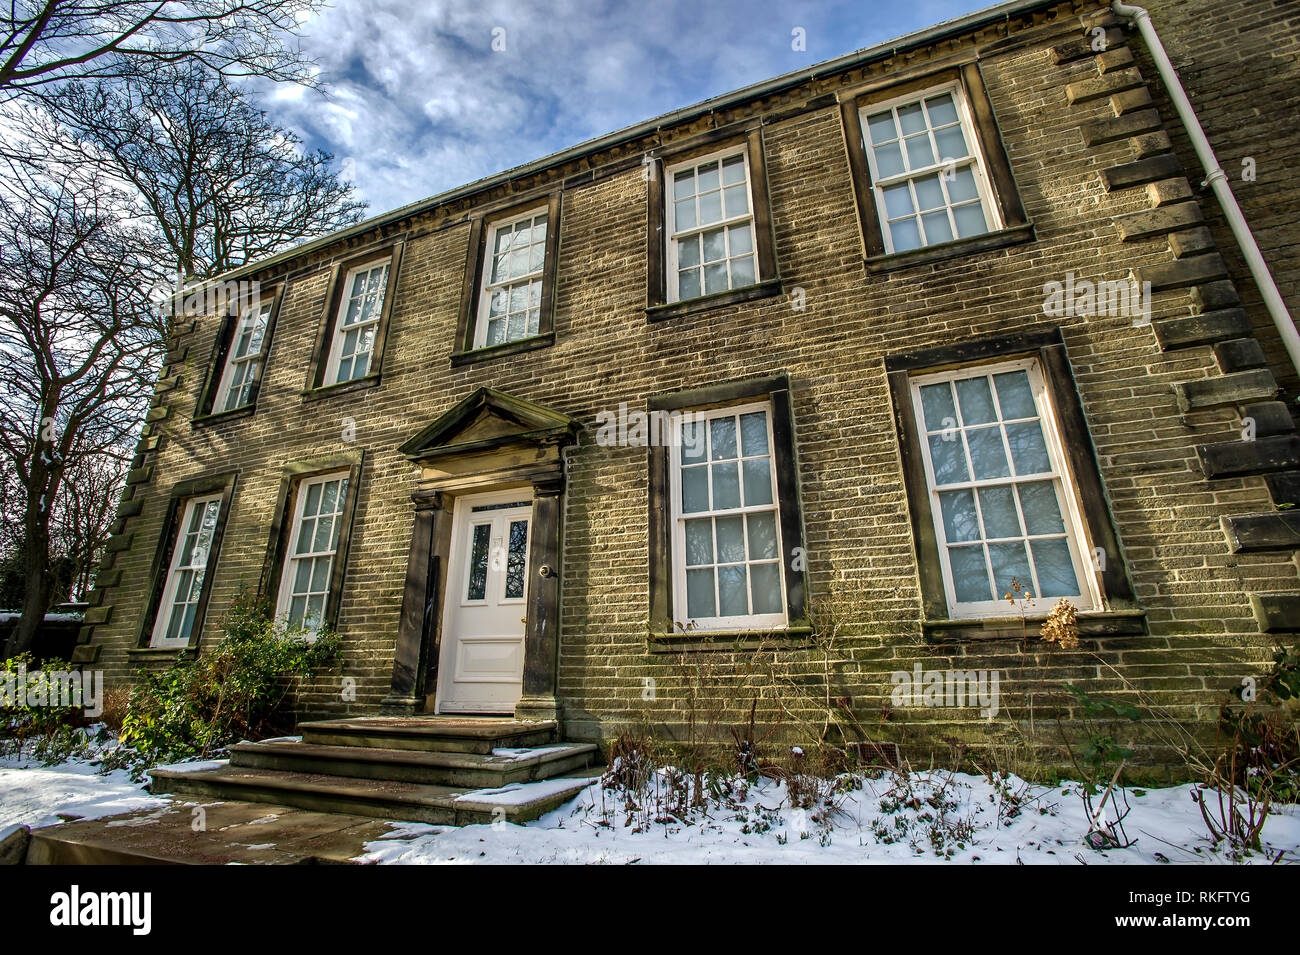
<point x="1067" y="118"/>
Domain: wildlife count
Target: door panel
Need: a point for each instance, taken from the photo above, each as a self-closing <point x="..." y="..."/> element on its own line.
<point x="481" y="662"/>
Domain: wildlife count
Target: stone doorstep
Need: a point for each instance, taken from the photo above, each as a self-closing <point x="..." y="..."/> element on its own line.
<point x="384" y="799"/>
<point x="235" y="833"/>
<point x="445" y="734"/>
<point x="439" y="768"/>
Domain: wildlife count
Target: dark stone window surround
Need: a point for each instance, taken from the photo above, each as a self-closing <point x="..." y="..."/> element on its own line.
<point x="181" y="493"/>
<point x="663" y="634"/>
<point x="319" y="366"/>
<point x="278" y="542"/>
<point x="203" y="413"/>
<point x="1016" y="226"/>
<point x="463" y="350"/>
<point x="1121" y="614"/>
<point x="658" y="308"/>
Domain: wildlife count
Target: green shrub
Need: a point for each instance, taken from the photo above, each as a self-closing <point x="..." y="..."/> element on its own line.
<point x="232" y="691"/>
<point x="48" y="734"/>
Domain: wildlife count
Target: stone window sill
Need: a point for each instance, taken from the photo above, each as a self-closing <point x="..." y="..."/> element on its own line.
<point x="957" y="248"/>
<point x="1113" y="623"/>
<point x="516" y="347"/>
<point x="764" y="289"/>
<point x="792" y="638"/>
<point x="221" y="417"/>
<point x="343" y="388"/>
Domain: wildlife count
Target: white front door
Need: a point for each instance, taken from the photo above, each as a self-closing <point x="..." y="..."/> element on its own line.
<point x="481" y="663"/>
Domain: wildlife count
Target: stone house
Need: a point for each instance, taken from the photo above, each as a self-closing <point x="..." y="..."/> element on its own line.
<point x="768" y="400"/>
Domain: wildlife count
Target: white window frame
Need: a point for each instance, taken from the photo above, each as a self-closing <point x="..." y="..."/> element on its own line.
<point x="1067" y="496"/>
<point x="487" y="287"/>
<point x="670" y="222"/>
<point x="285" y="596"/>
<point x="975" y="158"/>
<point x="336" y="341"/>
<point x="252" y="361"/>
<point x="750" y="621"/>
<point x="168" y="602"/>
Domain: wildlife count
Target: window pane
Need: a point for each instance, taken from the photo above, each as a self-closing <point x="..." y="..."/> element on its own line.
<point x="733" y="601"/>
<point x="726" y="486"/>
<point x="976" y="401"/>
<point x="715" y="245"/>
<point x="961" y="187"/>
<point x="998" y="506"/>
<point x="905" y="235"/>
<point x="911" y="119"/>
<point x="1042" y="514"/>
<point x="742" y="240"/>
<point x="919" y="152"/>
<point x="695" y="489"/>
<point x="948" y="459"/>
<point x="516" y="555"/>
<point x="742" y="272"/>
<point x="694" y="445"/>
<point x="959" y="520"/>
<point x="969" y="575"/>
<point x="762" y="536"/>
<point x="699" y="593"/>
<point x="684" y="184"/>
<point x="320" y="575"/>
<point x="722" y="438"/>
<point x="736" y="201"/>
<point x="707" y="176"/>
<point x="731" y="539"/>
<point x="715" y="278"/>
<point x="937" y="227"/>
<point x="733" y="170"/>
<point x="882" y="127"/>
<point x="889" y="160"/>
<point x="942" y="109"/>
<point x="699" y="541"/>
<point x="970" y="220"/>
<point x="1028" y="449"/>
<point x="986" y="453"/>
<point x="688" y="252"/>
<point x="1015" y="397"/>
<point x="758" y="481"/>
<point x="898" y="200"/>
<point x="478" y="561"/>
<point x="938" y="407"/>
<point x="766" y="582"/>
<point x="688" y="284"/>
<point x="710" y="208"/>
<point x="1055" y="569"/>
<point x="951" y="143"/>
<point x="929" y="194"/>
<point x="753" y="433"/>
<point x="684" y="215"/>
<point x="1010" y="562"/>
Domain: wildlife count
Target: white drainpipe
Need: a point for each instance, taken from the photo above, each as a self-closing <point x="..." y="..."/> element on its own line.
<point x="1217" y="179"/>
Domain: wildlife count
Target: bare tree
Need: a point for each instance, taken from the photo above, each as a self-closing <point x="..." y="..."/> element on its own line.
<point x="43" y="42"/>
<point x="84" y="513"/>
<point x="79" y="340"/>
<point x="223" y="183"/>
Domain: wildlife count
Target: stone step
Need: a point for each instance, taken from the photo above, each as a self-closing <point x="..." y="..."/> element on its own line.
<point x="1276" y="613"/>
<point x="376" y="798"/>
<point x="220" y="833"/>
<point x="504" y="767"/>
<point x="1141" y="171"/>
<point x="1146" y="223"/>
<point x="430" y="733"/>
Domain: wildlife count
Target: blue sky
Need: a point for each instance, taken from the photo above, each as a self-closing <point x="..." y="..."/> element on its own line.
<point x="419" y="101"/>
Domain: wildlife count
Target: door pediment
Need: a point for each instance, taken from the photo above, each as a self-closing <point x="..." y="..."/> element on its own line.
<point x="489" y="421"/>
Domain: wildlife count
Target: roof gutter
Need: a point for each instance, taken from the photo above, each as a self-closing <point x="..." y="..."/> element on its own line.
<point x="1217" y="180"/>
<point x="949" y="28"/>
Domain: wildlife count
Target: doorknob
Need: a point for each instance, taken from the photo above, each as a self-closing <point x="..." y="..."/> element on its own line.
<point x="523" y="619"/>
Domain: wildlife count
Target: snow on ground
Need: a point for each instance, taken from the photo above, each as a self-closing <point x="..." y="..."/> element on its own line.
<point x="33" y="795"/>
<point x="925" y="818"/>
<point x="937" y="817"/>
